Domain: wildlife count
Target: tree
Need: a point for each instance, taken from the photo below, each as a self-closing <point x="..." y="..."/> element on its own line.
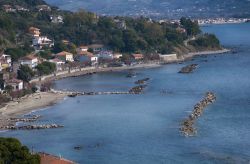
<point x="25" y="73"/>
<point x="8" y="88"/>
<point x="12" y="151"/>
<point x="46" y="68"/>
<point x="191" y="27"/>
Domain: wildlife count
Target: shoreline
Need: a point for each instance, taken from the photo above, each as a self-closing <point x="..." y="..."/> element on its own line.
<point x="27" y="104"/>
<point x="40" y="100"/>
<point x="152" y="64"/>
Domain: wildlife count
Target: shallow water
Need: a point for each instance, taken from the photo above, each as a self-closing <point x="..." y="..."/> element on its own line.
<point x="144" y="128"/>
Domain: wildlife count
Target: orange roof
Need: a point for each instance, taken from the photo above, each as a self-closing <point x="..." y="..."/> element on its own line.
<point x="85" y="53"/>
<point x="34" y="29"/>
<point x="63" y="53"/>
<point x="138" y="55"/>
<point x="16" y="81"/>
<point x="50" y="159"/>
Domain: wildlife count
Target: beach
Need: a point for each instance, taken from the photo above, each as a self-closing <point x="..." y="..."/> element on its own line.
<point x="27" y="104"/>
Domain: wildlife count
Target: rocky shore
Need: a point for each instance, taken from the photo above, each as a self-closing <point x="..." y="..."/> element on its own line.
<point x="33" y="127"/>
<point x="188" y="69"/>
<point x="142" y="81"/>
<point x="187" y="126"/>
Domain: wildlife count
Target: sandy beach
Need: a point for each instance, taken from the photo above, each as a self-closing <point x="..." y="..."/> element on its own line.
<point x="27" y="104"/>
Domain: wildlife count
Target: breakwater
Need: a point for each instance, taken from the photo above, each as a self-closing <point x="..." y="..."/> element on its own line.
<point x="187" y="126"/>
<point x="33" y="127"/>
<point x="28" y="119"/>
<point x="188" y="69"/>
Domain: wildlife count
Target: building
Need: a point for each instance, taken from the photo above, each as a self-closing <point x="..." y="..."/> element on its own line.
<point x="51" y="159"/>
<point x="8" y="8"/>
<point x="138" y="56"/>
<point x="56" y="19"/>
<point x="65" y="56"/>
<point x="121" y="24"/>
<point x="181" y="30"/>
<point x="168" y="57"/>
<point x="42" y="41"/>
<point x="35" y="32"/>
<point x="87" y="58"/>
<point x="107" y="55"/>
<point x="97" y="47"/>
<point x="30" y="60"/>
<point x="43" y="8"/>
<point x="117" y="56"/>
<point x="20" y="8"/>
<point x="59" y="63"/>
<point x="82" y="49"/>
<point x="5" y="61"/>
<point x="16" y="84"/>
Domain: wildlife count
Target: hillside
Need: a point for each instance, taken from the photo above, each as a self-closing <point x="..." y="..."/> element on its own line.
<point x="121" y="34"/>
<point x="161" y="8"/>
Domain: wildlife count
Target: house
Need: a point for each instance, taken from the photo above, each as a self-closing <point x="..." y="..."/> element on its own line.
<point x="121" y="24"/>
<point x="181" y="30"/>
<point x="42" y="41"/>
<point x="51" y="159"/>
<point x="56" y="19"/>
<point x="168" y="57"/>
<point x="1" y="66"/>
<point x="4" y="64"/>
<point x="30" y="60"/>
<point x="16" y="84"/>
<point x="117" y="56"/>
<point x="66" y="42"/>
<point x="138" y="56"/>
<point x="59" y="63"/>
<point x="35" y="32"/>
<point x="43" y="8"/>
<point x="5" y="61"/>
<point x="87" y="57"/>
<point x="65" y="56"/>
<point x="82" y="49"/>
<point x="107" y="55"/>
<point x="8" y="8"/>
<point x="97" y="47"/>
<point x="20" y="8"/>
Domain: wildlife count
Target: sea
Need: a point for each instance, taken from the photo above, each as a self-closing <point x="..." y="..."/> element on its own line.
<point x="136" y="129"/>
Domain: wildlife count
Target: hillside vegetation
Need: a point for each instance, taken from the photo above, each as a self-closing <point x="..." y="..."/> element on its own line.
<point x="139" y="35"/>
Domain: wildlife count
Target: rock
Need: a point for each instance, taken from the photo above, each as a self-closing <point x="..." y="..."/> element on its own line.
<point x="187" y="126"/>
<point x="188" y="69"/>
<point x="78" y="147"/>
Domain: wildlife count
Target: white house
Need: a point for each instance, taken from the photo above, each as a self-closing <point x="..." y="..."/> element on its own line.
<point x="56" y="19"/>
<point x="59" y="63"/>
<point x="30" y="60"/>
<point x="82" y="49"/>
<point x="16" y="84"/>
<point x="168" y="57"/>
<point x="105" y="55"/>
<point x="65" y="56"/>
<point x="117" y="56"/>
<point x="5" y="61"/>
<point x="42" y="41"/>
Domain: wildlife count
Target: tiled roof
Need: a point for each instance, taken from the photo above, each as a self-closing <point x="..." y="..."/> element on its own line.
<point x="63" y="53"/>
<point x="50" y="159"/>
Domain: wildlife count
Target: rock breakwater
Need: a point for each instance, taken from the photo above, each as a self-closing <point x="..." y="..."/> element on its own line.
<point x="188" y="69"/>
<point x="187" y="126"/>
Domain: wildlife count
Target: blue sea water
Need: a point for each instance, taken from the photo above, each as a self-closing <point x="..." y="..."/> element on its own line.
<point x="144" y="128"/>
